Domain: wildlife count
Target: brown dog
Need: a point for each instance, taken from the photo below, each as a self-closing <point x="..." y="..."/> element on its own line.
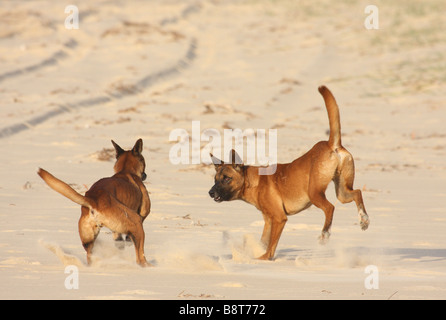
<point x="120" y="203"/>
<point x="294" y="186"/>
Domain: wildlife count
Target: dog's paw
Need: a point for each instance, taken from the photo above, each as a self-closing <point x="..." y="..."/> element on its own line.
<point x="323" y="238"/>
<point x="120" y="244"/>
<point x="364" y="221"/>
<point x="145" y="264"/>
<point x="265" y="256"/>
<point x="364" y="224"/>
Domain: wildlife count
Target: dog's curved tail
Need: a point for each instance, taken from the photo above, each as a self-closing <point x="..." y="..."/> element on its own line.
<point x="334" y="140"/>
<point x="64" y="189"/>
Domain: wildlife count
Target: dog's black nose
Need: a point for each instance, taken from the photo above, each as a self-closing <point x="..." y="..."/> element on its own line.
<point x="143" y="176"/>
<point x="211" y="193"/>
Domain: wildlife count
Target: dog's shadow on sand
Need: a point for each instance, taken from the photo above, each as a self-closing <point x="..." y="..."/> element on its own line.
<point x="422" y="254"/>
<point x="359" y="256"/>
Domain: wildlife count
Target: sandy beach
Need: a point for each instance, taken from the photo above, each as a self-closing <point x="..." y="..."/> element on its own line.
<point x="141" y="69"/>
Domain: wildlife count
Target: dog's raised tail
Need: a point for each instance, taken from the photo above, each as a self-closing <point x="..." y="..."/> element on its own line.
<point x="334" y="140"/>
<point x="64" y="189"/>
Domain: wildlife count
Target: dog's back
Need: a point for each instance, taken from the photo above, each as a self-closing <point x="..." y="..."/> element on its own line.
<point x="122" y="187"/>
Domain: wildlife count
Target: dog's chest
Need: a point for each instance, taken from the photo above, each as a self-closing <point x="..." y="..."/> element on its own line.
<point x="296" y="204"/>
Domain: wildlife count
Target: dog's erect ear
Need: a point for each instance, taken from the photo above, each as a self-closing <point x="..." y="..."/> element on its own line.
<point x="236" y="161"/>
<point x="118" y="149"/>
<point x="137" y="149"/>
<point x="217" y="162"/>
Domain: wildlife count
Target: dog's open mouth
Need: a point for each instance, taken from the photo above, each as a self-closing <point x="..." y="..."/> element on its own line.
<point x="214" y="195"/>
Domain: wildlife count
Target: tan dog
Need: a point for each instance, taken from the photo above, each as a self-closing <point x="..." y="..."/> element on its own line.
<point x="294" y="186"/>
<point x="120" y="203"/>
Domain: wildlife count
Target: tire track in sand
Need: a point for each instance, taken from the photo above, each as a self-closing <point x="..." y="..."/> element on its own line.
<point x="141" y="85"/>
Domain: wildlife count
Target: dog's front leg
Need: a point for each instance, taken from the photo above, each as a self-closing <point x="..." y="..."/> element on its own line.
<point x="266" y="235"/>
<point x="278" y="222"/>
<point x="144" y="209"/>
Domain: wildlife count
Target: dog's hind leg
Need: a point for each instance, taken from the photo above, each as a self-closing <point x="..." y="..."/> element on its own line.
<point x="125" y="220"/>
<point x="344" y="187"/>
<point x="138" y="240"/>
<point x="88" y="232"/>
<point x="320" y="176"/>
<point x="320" y="201"/>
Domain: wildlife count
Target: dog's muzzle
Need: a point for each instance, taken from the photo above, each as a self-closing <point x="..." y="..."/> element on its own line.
<point x="214" y="195"/>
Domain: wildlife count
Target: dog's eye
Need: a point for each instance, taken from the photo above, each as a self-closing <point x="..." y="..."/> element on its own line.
<point x="227" y="179"/>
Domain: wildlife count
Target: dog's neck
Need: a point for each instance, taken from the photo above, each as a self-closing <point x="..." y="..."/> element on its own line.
<point x="122" y="165"/>
<point x="251" y="181"/>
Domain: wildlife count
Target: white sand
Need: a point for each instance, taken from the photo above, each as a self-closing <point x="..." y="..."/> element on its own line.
<point x="149" y="67"/>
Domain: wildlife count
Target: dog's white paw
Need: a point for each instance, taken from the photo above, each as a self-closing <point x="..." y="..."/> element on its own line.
<point x="364" y="220"/>
<point x="120" y="244"/>
<point x="323" y="238"/>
